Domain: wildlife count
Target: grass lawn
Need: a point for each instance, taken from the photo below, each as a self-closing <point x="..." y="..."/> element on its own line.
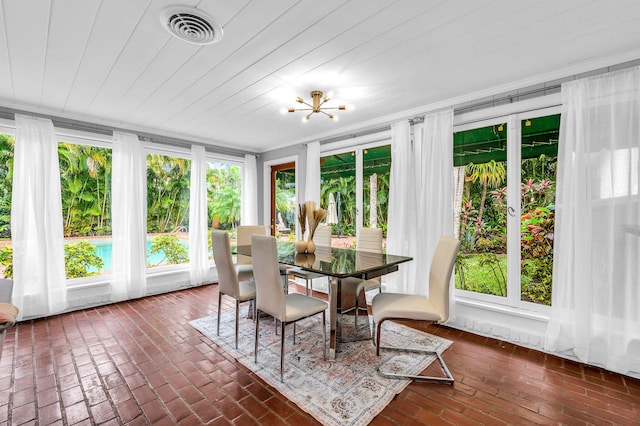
<point x="482" y="278"/>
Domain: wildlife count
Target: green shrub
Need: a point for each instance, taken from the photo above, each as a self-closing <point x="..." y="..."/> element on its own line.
<point x="79" y="258"/>
<point x="6" y="260"/>
<point x="536" y="242"/>
<point x="169" y="245"/>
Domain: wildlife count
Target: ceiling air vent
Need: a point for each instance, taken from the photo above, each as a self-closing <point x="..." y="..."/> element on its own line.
<point x="191" y="25"/>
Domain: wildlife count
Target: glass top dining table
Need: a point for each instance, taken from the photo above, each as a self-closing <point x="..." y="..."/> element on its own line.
<point x="337" y="264"/>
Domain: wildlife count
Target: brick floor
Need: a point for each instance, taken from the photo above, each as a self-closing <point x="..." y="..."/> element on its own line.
<point x="140" y="362"/>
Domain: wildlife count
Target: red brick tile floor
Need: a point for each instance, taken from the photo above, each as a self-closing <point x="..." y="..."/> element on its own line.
<point x="140" y="362"/>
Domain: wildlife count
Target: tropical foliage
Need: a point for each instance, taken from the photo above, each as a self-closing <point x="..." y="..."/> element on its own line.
<point x="223" y="186"/>
<point x="481" y="265"/>
<point x="80" y="258"/>
<point x="167" y="193"/>
<point x="6" y="260"/>
<point x="346" y="186"/>
<point x="85" y="183"/>
<point x="169" y="245"/>
<point x="85" y="177"/>
<point x="6" y="179"/>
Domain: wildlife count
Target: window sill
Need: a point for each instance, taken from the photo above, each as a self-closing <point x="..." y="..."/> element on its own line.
<point x="503" y="309"/>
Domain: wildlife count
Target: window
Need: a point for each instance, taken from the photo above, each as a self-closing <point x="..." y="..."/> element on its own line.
<point x="506" y="229"/>
<point x="224" y="184"/>
<point x="7" y="143"/>
<point x="358" y="181"/>
<point x="167" y="210"/>
<point x="85" y="185"/>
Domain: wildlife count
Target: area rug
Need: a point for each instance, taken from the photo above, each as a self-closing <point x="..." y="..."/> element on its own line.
<point x="348" y="391"/>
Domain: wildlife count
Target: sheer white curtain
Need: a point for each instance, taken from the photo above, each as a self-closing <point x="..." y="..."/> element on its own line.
<point x="401" y="217"/>
<point x="36" y="220"/>
<point x="249" y="208"/>
<point x="129" y="218"/>
<point x="312" y="176"/>
<point x="198" y="232"/>
<point x="420" y="197"/>
<point x="433" y="146"/>
<point x="595" y="314"/>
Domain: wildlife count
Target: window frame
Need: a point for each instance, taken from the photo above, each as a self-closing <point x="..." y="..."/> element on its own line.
<point x="513" y="119"/>
<point x="358" y="149"/>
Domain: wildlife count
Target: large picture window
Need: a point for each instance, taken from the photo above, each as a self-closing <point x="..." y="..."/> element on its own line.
<point x="167" y="210"/>
<point x="224" y="183"/>
<point x="7" y="143"/>
<point x="85" y="184"/>
<point x="507" y="204"/>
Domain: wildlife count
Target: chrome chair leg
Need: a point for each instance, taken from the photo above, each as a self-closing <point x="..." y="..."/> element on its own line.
<point x="324" y="334"/>
<point x="237" y="320"/>
<point x="255" y="349"/>
<point x="447" y="379"/>
<point x="219" y="303"/>
<point x="282" y="353"/>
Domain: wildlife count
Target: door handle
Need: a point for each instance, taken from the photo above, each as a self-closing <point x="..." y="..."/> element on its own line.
<point x="511" y="211"/>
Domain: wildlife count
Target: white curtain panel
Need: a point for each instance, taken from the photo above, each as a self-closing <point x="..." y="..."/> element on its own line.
<point x="421" y="192"/>
<point x="401" y="217"/>
<point x="595" y="314"/>
<point x="249" y="207"/>
<point x="312" y="176"/>
<point x="36" y="220"/>
<point x="129" y="218"/>
<point x="433" y="147"/>
<point x="198" y="230"/>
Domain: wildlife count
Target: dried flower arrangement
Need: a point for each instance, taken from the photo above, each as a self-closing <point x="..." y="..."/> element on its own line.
<point x="302" y="218"/>
<point x="309" y="216"/>
<point x="315" y="218"/>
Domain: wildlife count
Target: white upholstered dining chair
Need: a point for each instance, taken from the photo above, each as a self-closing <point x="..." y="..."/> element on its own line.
<point x="244" y="264"/>
<point x="369" y="240"/>
<point x="228" y="281"/>
<point x="434" y="309"/>
<point x="271" y="299"/>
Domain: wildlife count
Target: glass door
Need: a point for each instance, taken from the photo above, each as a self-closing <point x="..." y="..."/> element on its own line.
<point x="505" y="196"/>
<point x="481" y="153"/>
<point x="538" y="167"/>
<point x="357" y="183"/>
<point x="338" y="183"/>
<point x="283" y="201"/>
<point x="376" y="170"/>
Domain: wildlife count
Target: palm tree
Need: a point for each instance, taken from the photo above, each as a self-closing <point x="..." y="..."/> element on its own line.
<point x="490" y="174"/>
<point x="167" y="192"/>
<point x="85" y="173"/>
<point x="223" y="188"/>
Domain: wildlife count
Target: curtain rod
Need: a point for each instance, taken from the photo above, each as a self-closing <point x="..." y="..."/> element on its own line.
<point x="100" y="129"/>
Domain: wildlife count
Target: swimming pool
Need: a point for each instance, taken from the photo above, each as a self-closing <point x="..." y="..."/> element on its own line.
<point x="104" y="249"/>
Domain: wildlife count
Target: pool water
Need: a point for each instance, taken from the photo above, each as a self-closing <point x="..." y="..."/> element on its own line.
<point x="104" y="250"/>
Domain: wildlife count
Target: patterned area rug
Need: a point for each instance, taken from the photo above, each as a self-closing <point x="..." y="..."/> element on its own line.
<point x="348" y="391"/>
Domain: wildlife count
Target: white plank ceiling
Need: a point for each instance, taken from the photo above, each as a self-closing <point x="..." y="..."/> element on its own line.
<point x="112" y="62"/>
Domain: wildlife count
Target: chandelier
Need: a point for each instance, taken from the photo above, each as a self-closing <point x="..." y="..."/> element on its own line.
<point x="317" y="106"/>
